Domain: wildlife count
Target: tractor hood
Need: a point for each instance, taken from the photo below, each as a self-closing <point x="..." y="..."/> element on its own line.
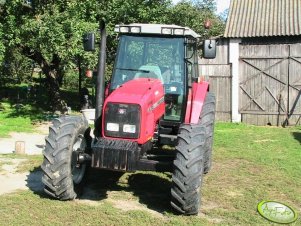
<point x="146" y="95"/>
<point x="137" y="91"/>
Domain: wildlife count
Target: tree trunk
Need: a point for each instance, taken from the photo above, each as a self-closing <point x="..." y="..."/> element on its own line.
<point x="53" y="87"/>
<point x="53" y="78"/>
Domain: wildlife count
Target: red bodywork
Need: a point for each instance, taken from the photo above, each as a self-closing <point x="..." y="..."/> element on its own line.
<point x="149" y="95"/>
<point x="195" y="101"/>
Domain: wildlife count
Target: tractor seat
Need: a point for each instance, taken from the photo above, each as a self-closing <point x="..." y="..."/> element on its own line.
<point x="154" y="72"/>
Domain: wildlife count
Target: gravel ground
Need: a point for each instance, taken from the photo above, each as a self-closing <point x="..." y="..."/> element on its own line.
<point x="34" y="145"/>
<point x="33" y="142"/>
<point x="12" y="181"/>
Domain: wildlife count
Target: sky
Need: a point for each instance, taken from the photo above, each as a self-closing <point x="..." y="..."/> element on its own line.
<point x="221" y="5"/>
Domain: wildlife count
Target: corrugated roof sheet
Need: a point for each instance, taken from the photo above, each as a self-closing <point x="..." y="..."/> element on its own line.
<point x="260" y="18"/>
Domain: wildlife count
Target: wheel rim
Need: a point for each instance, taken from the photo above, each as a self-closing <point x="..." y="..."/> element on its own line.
<point x="78" y="169"/>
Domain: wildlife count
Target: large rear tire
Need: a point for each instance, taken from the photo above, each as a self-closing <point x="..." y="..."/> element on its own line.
<point x="63" y="174"/>
<point x="207" y="119"/>
<point x="188" y="169"/>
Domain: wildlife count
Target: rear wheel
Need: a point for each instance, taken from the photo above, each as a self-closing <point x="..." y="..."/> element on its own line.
<point x="188" y="169"/>
<point x="207" y="119"/>
<point x="63" y="173"/>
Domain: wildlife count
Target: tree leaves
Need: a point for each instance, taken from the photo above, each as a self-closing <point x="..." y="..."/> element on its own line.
<point x="50" y="32"/>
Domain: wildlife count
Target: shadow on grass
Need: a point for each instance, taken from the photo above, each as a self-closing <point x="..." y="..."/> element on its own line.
<point x="297" y="136"/>
<point x="151" y="190"/>
<point x="29" y="110"/>
<point x="34" y="106"/>
<point x="26" y="111"/>
<point x="34" y="181"/>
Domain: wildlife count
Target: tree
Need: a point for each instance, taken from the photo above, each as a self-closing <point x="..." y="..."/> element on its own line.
<point x="224" y="15"/>
<point x="2" y="49"/>
<point x="194" y="14"/>
<point x="205" y="4"/>
<point x="49" y="34"/>
<point x="16" y="67"/>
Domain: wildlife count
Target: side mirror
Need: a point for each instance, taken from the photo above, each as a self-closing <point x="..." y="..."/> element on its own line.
<point x="89" y="42"/>
<point x="209" y="49"/>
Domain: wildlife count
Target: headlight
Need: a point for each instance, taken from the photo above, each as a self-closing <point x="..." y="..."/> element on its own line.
<point x="129" y="128"/>
<point x="122" y="120"/>
<point x="114" y="127"/>
<point x="178" y="31"/>
<point x="135" y="29"/>
<point x="124" y="29"/>
<point x="166" y="31"/>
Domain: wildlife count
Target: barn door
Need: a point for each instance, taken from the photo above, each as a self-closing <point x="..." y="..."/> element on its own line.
<point x="270" y="83"/>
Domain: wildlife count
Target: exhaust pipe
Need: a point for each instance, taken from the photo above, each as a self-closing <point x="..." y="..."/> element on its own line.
<point x="100" y="82"/>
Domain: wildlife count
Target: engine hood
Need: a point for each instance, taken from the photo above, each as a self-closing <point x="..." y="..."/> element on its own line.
<point x="138" y="91"/>
<point x="148" y="96"/>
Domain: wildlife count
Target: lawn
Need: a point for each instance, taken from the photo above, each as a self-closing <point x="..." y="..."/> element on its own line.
<point x="11" y="121"/>
<point x="250" y="164"/>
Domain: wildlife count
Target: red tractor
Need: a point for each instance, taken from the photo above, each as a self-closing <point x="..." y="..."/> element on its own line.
<point x="156" y="115"/>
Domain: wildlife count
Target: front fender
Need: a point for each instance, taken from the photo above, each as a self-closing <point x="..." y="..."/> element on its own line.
<point x="196" y="101"/>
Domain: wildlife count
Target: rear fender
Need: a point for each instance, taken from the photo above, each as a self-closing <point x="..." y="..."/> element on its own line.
<point x="195" y="105"/>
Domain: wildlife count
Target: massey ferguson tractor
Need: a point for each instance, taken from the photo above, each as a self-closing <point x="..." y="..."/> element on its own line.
<point x="156" y="114"/>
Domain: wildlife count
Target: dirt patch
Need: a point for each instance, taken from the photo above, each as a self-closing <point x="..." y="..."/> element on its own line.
<point x="210" y="219"/>
<point x="34" y="142"/>
<point x="208" y="205"/>
<point x="12" y="182"/>
<point x="9" y="166"/>
<point x="128" y="205"/>
<point x="264" y="141"/>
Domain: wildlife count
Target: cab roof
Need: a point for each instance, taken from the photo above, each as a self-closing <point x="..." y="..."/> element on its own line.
<point x="159" y="29"/>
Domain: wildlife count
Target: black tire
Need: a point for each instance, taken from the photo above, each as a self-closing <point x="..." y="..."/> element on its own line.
<point x="188" y="169"/>
<point x="207" y="119"/>
<point x="63" y="175"/>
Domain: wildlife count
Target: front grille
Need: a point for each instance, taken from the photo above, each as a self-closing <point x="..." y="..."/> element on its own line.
<point x="121" y="155"/>
<point x="122" y="120"/>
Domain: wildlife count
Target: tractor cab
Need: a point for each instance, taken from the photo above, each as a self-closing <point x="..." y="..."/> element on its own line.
<point x="164" y="52"/>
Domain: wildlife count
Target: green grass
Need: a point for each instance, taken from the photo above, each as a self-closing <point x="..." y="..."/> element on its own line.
<point x="11" y="122"/>
<point x="21" y="117"/>
<point x="250" y="164"/>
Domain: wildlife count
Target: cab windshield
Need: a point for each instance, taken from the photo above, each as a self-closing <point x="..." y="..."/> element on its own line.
<point x="153" y="57"/>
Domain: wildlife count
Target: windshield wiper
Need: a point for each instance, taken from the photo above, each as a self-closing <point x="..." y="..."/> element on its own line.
<point x="130" y="69"/>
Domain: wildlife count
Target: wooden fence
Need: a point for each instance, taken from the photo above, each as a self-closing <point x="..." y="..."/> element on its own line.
<point x="218" y="73"/>
<point x="269" y="82"/>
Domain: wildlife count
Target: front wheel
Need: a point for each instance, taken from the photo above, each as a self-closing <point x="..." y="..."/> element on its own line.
<point x="207" y="119"/>
<point x="188" y="169"/>
<point x="63" y="173"/>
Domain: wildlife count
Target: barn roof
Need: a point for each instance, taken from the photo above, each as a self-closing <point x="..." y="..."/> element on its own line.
<point x="261" y="18"/>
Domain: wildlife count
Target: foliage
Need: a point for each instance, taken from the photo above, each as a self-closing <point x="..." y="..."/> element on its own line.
<point x="205" y="4"/>
<point x="57" y="29"/>
<point x="50" y="32"/>
<point x="193" y="15"/>
<point x="16" y="67"/>
<point x="224" y="15"/>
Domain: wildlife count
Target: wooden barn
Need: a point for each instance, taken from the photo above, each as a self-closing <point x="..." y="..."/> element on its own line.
<point x="257" y="72"/>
